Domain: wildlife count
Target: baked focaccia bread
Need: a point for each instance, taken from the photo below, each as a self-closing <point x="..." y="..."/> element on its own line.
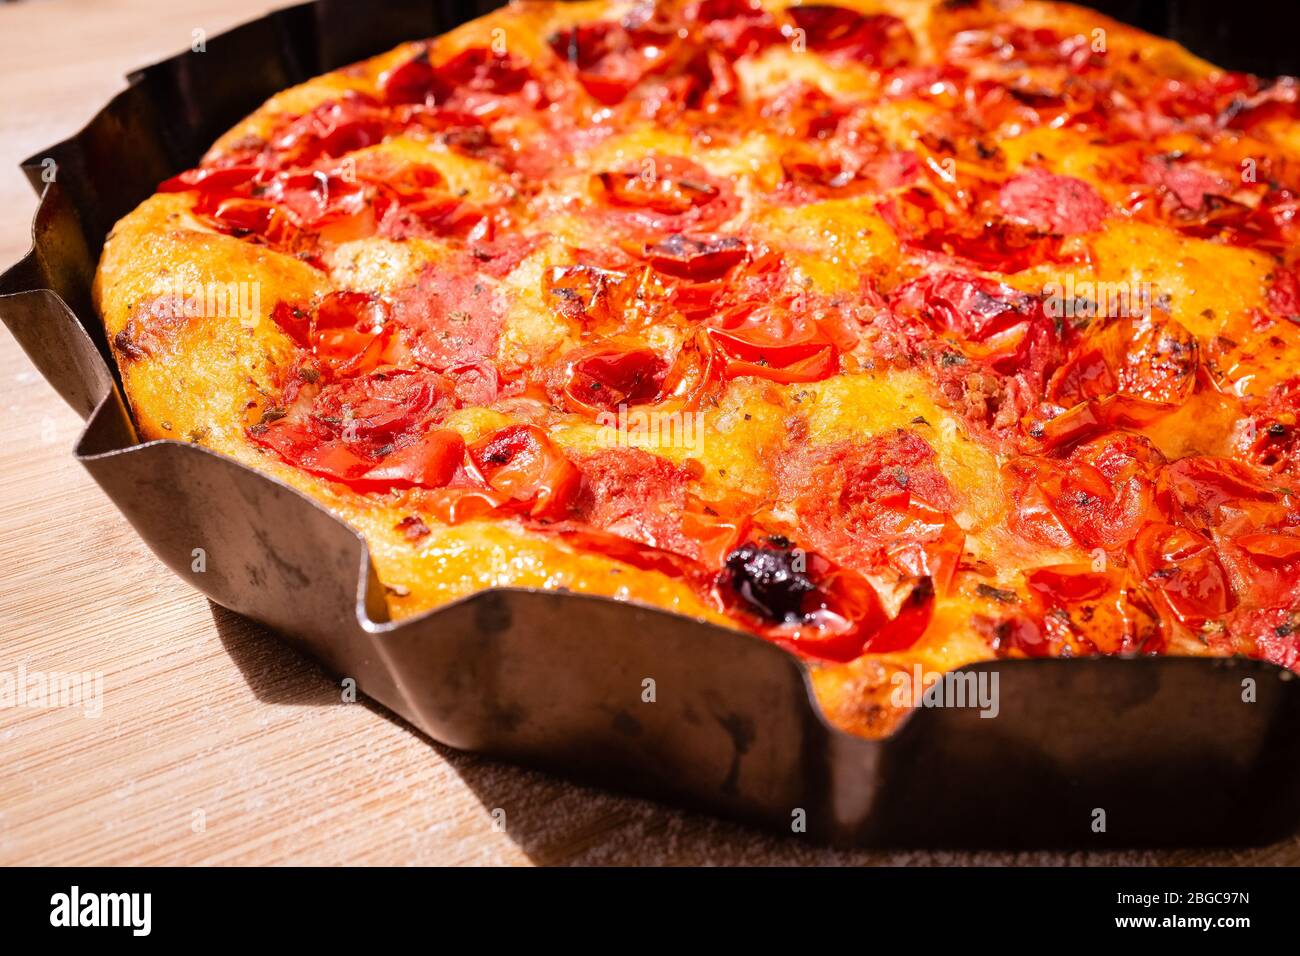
<point x="901" y="334"/>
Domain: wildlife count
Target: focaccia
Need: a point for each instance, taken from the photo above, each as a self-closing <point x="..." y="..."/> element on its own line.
<point x="902" y="334"/>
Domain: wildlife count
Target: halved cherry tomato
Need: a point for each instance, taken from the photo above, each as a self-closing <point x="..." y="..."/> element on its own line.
<point x="774" y="343"/>
<point x="611" y="58"/>
<point x="1068" y="584"/>
<point x="602" y="379"/>
<point x="1098" y="496"/>
<point x="1255" y="529"/>
<point x="254" y="217"/>
<point x="964" y="231"/>
<point x="412" y="81"/>
<point x="1034" y="46"/>
<point x="220" y="181"/>
<point x="595" y="297"/>
<point x="876" y="505"/>
<point x="661" y="193"/>
<point x="1205" y="493"/>
<point x="330" y="129"/>
<point x="346" y="323"/>
<point x="735" y="27"/>
<point x="1183" y="568"/>
<point x="465" y="79"/>
<point x="521" y="463"/>
<point x="1269" y="547"/>
<point x="715" y="534"/>
<point x="429" y="460"/>
<point x="1076" y="610"/>
<point x="1129" y="373"/>
<point x="801" y="600"/>
<point x="374" y="412"/>
<point x="701" y="260"/>
<point x="350" y="331"/>
<point x="975" y="308"/>
<point x="665" y="194"/>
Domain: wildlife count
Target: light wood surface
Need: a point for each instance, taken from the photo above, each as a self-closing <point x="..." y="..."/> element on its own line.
<point x="206" y="718"/>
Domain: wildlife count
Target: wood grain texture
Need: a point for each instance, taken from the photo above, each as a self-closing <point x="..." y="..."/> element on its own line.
<point x="204" y="712"/>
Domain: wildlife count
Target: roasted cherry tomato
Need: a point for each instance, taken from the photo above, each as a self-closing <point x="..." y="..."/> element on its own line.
<point x="1097" y="496"/>
<point x="522" y="464"/>
<point x="601" y="379"/>
<point x="805" y="602"/>
<point x="1183" y="568"/>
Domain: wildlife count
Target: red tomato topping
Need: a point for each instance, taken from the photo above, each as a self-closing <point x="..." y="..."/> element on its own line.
<point x="1284" y="294"/>
<point x="1073" y="610"/>
<point x="350" y="331"/>
<point x="1272" y="441"/>
<point x="1185" y="186"/>
<point x="802" y="601"/>
<point x="672" y="196"/>
<point x="1098" y="496"/>
<point x="995" y="349"/>
<point x="1152" y="360"/>
<point x="700" y="260"/>
<point x="1225" y="99"/>
<point x="598" y="299"/>
<point x="644" y="498"/>
<point x="775" y="343"/>
<point x="602" y="379"/>
<point x="668" y="194"/>
<point x="1255" y="528"/>
<point x="839" y="166"/>
<point x="521" y="464"/>
<point x="876" y="504"/>
<point x="331" y="129"/>
<point x="875" y="39"/>
<point x="372" y="434"/>
<point x="993" y="243"/>
<point x="1018" y="47"/>
<point x="974" y="308"/>
<point x="1206" y="492"/>
<point x="429" y="462"/>
<point x="470" y="80"/>
<point x="1058" y="205"/>
<point x="1183" y="568"/>
<point x="1127" y="372"/>
<point x="735" y="27"/>
<point x="223" y="181"/>
<point x="451" y="314"/>
<point x="611" y="58"/>
<point x="1272" y="634"/>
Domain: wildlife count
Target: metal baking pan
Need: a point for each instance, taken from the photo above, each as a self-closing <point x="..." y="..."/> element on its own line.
<point x="1165" y="747"/>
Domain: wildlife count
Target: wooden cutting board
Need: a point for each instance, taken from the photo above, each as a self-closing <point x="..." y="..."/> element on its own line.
<point x="216" y="744"/>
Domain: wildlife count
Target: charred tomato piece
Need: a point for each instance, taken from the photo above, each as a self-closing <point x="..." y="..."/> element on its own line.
<point x="805" y="602"/>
